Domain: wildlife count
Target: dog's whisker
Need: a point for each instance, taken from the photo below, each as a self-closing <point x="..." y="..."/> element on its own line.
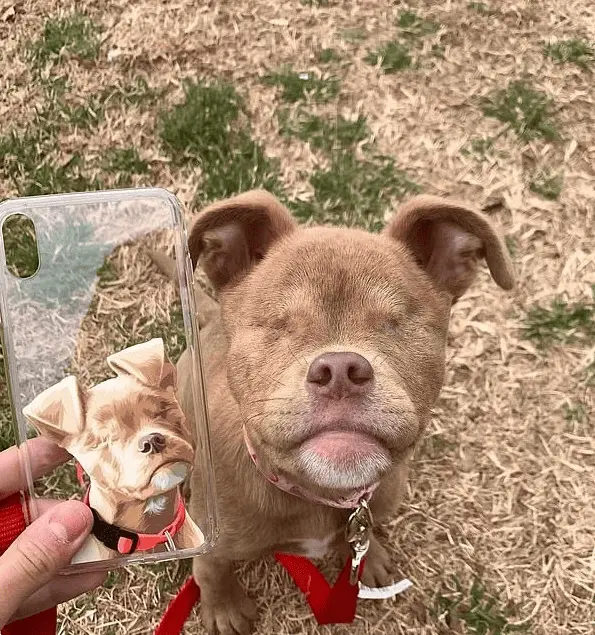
<point x="274" y="379"/>
<point x="254" y="416"/>
<point x="295" y="357"/>
<point x="269" y="399"/>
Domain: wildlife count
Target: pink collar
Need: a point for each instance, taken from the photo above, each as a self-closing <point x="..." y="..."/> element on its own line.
<point x="126" y="542"/>
<point x="342" y="502"/>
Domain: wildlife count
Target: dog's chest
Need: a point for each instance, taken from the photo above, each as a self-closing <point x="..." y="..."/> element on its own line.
<point x="315" y="547"/>
<point x="310" y="547"/>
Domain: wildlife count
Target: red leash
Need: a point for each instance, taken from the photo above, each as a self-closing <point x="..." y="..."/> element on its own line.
<point x="330" y="604"/>
<point x="12" y="523"/>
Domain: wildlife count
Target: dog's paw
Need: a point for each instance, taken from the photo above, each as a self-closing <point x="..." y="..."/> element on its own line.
<point x="232" y="613"/>
<point x="377" y="570"/>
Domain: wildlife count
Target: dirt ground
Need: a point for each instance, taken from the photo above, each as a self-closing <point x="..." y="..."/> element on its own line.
<point x="497" y="532"/>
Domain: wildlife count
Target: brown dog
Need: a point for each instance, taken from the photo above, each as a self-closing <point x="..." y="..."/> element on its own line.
<point x="324" y="358"/>
<point x="132" y="439"/>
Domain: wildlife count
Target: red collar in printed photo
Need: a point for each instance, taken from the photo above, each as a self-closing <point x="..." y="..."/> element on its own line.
<point x="127" y="542"/>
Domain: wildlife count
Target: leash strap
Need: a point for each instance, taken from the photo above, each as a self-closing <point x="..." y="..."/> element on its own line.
<point x="329" y="604"/>
<point x="12" y="524"/>
<point x="179" y="609"/>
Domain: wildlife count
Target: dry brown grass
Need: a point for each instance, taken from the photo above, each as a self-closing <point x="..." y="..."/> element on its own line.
<point x="502" y="489"/>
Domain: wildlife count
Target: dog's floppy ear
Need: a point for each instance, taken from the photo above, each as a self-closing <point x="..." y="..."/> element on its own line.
<point x="145" y="362"/>
<point x="231" y="236"/>
<point x="449" y="240"/>
<point x="58" y="412"/>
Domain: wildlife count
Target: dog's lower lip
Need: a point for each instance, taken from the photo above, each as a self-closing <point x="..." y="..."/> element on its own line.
<point x="337" y="444"/>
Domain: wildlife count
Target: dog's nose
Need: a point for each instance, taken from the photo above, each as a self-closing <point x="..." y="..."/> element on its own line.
<point x="152" y="443"/>
<point x="339" y="375"/>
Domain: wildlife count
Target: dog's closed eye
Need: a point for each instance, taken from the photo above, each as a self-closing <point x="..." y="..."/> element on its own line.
<point x="391" y="325"/>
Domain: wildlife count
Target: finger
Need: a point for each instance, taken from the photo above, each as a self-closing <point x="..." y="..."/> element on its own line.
<point x="45" y="548"/>
<point x="44" y="505"/>
<point x="58" y="591"/>
<point x="43" y="455"/>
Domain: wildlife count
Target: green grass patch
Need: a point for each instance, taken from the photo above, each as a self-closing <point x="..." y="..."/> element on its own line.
<point x="482" y="8"/>
<point x="354" y="35"/>
<point x="562" y="323"/>
<point x="210" y="129"/>
<point x="572" y="51"/>
<point x="395" y="55"/>
<point x="200" y="126"/>
<point x="328" y="55"/>
<point x="479" y="147"/>
<point x="437" y="446"/>
<point x="82" y="114"/>
<point x="124" y="162"/>
<point x="113" y="579"/>
<point x="324" y="133"/>
<point x="354" y="192"/>
<point x="511" y="245"/>
<point x="481" y="612"/>
<point x="29" y="155"/>
<point x="438" y="51"/>
<point x="137" y="93"/>
<point x="27" y="161"/>
<point x="547" y="185"/>
<point x="412" y="25"/>
<point x="78" y="253"/>
<point x="62" y="483"/>
<point x="303" y="86"/>
<point x="171" y="575"/>
<point x="127" y="331"/>
<point x="171" y="331"/>
<point x="6" y="434"/>
<point x="575" y="413"/>
<point x="72" y="36"/>
<point x="392" y="57"/>
<point x="20" y="246"/>
<point x="526" y="111"/>
<point x="7" y="437"/>
<point x="106" y="274"/>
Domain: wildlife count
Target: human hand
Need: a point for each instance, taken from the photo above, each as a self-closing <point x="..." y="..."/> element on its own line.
<point x="29" y="581"/>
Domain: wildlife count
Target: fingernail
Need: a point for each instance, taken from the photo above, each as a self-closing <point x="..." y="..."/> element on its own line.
<point x="68" y="522"/>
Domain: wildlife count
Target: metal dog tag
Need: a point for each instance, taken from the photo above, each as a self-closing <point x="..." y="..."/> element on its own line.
<point x="357" y="534"/>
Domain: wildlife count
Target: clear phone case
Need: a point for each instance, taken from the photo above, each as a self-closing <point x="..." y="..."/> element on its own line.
<point x="90" y="344"/>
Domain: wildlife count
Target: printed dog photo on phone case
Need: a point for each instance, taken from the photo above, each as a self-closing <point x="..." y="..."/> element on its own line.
<point x="91" y="341"/>
<point x="130" y="436"/>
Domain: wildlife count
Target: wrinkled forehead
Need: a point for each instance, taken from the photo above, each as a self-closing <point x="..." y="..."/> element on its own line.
<point x="333" y="270"/>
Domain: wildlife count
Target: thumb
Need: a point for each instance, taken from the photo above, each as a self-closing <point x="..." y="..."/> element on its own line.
<point x="40" y="552"/>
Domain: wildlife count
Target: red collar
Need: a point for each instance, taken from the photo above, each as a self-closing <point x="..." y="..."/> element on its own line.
<point x="126" y="542"/>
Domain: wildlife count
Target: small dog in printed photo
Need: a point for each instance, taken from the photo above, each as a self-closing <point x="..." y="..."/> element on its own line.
<point x="131" y="438"/>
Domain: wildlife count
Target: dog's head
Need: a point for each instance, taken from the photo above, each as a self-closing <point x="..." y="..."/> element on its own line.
<point x="128" y="433"/>
<point x="337" y="336"/>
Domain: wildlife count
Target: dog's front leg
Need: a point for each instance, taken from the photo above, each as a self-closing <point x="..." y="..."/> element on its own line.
<point x="378" y="567"/>
<point x="225" y="607"/>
